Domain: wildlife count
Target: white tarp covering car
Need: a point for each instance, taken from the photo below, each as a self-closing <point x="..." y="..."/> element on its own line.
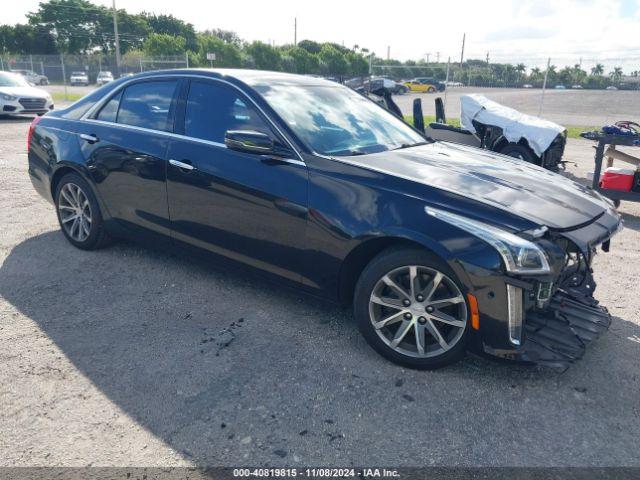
<point x="515" y="125"/>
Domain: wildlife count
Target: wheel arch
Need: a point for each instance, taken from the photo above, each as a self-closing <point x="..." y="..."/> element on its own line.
<point x="360" y="256"/>
<point x="69" y="167"/>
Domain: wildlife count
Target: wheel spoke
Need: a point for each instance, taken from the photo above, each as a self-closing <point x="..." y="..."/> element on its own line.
<point x="66" y="207"/>
<point x="387" y="302"/>
<point x="393" y="318"/>
<point x="69" y="218"/>
<point x="448" y="319"/>
<point x="445" y="302"/>
<point x="404" y="327"/>
<point x="394" y="286"/>
<point x="65" y="194"/>
<point x="433" y="330"/>
<point x="413" y="281"/>
<point x="74" y="225"/>
<point x="420" y="340"/>
<point x="85" y="227"/>
<point x="431" y="287"/>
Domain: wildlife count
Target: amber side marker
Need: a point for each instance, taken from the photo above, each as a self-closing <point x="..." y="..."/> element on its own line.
<point x="475" y="314"/>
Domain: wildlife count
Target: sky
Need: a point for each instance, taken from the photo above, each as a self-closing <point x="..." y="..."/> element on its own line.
<point x="527" y="31"/>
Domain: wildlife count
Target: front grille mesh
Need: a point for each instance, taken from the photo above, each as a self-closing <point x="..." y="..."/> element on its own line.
<point x="33" y="103"/>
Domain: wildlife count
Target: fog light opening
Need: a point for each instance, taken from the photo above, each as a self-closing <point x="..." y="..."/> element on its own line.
<point x="514" y="304"/>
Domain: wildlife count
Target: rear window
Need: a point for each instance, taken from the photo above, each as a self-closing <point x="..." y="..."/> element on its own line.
<point x="147" y="105"/>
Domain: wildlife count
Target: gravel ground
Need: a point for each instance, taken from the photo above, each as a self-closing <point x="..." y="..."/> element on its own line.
<point x="129" y="356"/>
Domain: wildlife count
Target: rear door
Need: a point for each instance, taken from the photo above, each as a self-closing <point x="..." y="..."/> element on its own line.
<point x="248" y="207"/>
<point x="125" y="147"/>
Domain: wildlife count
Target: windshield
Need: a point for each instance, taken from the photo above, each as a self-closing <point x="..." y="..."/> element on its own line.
<point x="12" y="80"/>
<point x="335" y="120"/>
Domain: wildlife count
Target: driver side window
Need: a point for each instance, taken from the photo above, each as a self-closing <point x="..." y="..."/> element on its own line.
<point x="212" y="109"/>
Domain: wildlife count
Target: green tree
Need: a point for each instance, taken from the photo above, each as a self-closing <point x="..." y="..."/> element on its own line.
<point x="25" y="39"/>
<point x="303" y="61"/>
<point x="310" y="46"/>
<point x="616" y="74"/>
<point x="597" y="70"/>
<point x="265" y="57"/>
<point x="226" y="36"/>
<point x="228" y="55"/>
<point x="171" y="25"/>
<point x="332" y="61"/>
<point x="161" y="44"/>
<point x="76" y="23"/>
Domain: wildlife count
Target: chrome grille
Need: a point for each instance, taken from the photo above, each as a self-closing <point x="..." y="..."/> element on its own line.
<point x="33" y="103"/>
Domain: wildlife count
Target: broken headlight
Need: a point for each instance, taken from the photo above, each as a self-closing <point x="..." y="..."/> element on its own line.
<point x="518" y="254"/>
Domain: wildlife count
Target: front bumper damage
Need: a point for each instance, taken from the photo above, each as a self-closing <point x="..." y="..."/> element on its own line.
<point x="556" y="329"/>
<point x="559" y="335"/>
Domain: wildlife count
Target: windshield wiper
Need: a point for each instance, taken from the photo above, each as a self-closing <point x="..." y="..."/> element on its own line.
<point x="409" y="145"/>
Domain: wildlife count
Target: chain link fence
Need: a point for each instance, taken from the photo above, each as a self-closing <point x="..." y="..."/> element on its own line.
<point x="56" y="69"/>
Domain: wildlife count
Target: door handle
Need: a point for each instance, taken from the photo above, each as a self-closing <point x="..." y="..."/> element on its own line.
<point x="182" y="165"/>
<point x="89" y="138"/>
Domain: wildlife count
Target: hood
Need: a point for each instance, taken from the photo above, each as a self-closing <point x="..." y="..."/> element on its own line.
<point x="513" y="185"/>
<point x="25" y="92"/>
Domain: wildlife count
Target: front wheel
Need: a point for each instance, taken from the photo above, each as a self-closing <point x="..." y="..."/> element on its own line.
<point x="431" y="90"/>
<point x="410" y="308"/>
<point x="521" y="152"/>
<point x="79" y="213"/>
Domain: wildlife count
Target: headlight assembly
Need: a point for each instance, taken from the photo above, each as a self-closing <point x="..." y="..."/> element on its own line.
<point x="518" y="254"/>
<point x="9" y="98"/>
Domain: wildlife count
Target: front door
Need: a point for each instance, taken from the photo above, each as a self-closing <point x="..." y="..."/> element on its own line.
<point x="248" y="207"/>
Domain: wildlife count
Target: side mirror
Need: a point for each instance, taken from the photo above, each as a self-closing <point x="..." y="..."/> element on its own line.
<point x="248" y="141"/>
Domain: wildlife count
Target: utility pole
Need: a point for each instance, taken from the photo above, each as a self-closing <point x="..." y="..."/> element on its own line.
<point x="437" y="57"/>
<point x="389" y="52"/>
<point x="464" y="36"/>
<point x="487" y="58"/>
<point x="295" y="31"/>
<point x="428" y="55"/>
<point x="115" y="33"/>
<point x="544" y="86"/>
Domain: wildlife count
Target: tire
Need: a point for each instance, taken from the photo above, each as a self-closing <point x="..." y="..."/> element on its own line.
<point x="431" y="90"/>
<point x="87" y="232"/>
<point x="398" y="264"/>
<point x="43" y="82"/>
<point x="520" y="151"/>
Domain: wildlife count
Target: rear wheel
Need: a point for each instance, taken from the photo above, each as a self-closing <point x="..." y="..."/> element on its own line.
<point x="520" y="151"/>
<point x="79" y="213"/>
<point x="410" y="308"/>
<point x="431" y="90"/>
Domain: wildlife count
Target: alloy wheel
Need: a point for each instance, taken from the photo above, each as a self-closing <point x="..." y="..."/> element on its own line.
<point x="418" y="311"/>
<point x="75" y="212"/>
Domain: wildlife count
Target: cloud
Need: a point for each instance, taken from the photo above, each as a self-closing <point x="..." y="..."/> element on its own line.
<point x="519" y="33"/>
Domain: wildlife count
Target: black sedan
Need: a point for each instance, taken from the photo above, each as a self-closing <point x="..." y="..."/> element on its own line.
<point x="439" y="247"/>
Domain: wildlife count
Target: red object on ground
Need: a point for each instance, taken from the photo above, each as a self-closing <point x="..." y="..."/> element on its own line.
<point x="617" y="179"/>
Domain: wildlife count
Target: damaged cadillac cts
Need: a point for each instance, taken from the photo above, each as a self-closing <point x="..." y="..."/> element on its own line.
<point x="439" y="247"/>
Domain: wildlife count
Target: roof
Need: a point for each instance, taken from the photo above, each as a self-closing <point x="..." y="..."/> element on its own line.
<point x="255" y="78"/>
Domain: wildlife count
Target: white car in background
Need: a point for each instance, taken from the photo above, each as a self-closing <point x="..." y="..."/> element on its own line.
<point x="104" y="78"/>
<point x="79" y="78"/>
<point x="18" y="97"/>
<point x="33" y="77"/>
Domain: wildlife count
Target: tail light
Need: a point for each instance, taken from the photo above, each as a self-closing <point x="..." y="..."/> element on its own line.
<point x="31" y="129"/>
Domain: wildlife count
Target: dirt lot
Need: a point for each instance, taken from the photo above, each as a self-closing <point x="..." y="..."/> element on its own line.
<point x="128" y="356"/>
<point x="566" y="107"/>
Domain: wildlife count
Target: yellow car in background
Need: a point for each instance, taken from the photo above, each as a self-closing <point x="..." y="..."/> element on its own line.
<point x="424" y="84"/>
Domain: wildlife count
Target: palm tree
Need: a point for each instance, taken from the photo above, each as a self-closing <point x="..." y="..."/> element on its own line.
<point x="598" y="70"/>
<point x="616" y="74"/>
